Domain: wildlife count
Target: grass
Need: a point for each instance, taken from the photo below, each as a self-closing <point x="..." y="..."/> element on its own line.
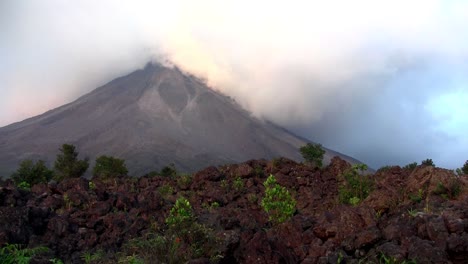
<point x="16" y="254"/>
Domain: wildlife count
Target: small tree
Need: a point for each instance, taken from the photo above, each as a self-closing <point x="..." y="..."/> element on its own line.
<point x="464" y="169"/>
<point x="411" y="166"/>
<point x="277" y="202"/>
<point x="31" y="173"/>
<point x="108" y="166"/>
<point x="313" y="153"/>
<point x="427" y="162"/>
<point x="67" y="164"/>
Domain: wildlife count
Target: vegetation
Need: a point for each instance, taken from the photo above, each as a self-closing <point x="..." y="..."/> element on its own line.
<point x="418" y="197"/>
<point x="181" y="214"/>
<point x="464" y="169"/>
<point x="15" y="254"/>
<point x="313" y="153"/>
<point x="448" y="192"/>
<point x="427" y="162"/>
<point x="356" y="186"/>
<point x="183" y="240"/>
<point x="89" y="258"/>
<point x="277" y="201"/>
<point x="169" y="171"/>
<point x="67" y="164"/>
<point x="30" y="173"/>
<point x="238" y="184"/>
<point x="411" y="166"/>
<point x="108" y="166"/>
<point x="384" y="168"/>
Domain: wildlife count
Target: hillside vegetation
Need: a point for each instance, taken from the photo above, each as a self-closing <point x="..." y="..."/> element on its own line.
<point x="260" y="211"/>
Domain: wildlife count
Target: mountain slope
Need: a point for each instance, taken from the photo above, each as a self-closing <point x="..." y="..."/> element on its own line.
<point x="151" y="117"/>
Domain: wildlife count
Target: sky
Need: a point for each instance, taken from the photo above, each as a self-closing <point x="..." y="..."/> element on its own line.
<point x="383" y="81"/>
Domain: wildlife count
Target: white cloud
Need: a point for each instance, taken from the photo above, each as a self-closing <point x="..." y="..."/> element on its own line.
<point x="294" y="62"/>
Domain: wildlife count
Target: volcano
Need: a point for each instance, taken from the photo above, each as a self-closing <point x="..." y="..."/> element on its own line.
<point x="151" y="118"/>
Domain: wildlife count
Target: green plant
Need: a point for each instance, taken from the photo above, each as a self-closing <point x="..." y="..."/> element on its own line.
<point x="165" y="190"/>
<point x="133" y="259"/>
<point x="224" y="184"/>
<point x="181" y="214"/>
<point x="440" y="189"/>
<point x="354" y="201"/>
<point x="107" y="167"/>
<point x="464" y="169"/>
<point x="238" y="184"/>
<point x="56" y="261"/>
<point x="15" y="254"/>
<point x="67" y="164"/>
<point x="454" y="189"/>
<point x="277" y="201"/>
<point x="384" y="168"/>
<point x="258" y="171"/>
<point x="412" y="212"/>
<point x="184" y="180"/>
<point x="169" y="171"/>
<point x="31" y="173"/>
<point x="313" y="153"/>
<point x="411" y="166"/>
<point x="427" y="162"/>
<point x="383" y="259"/>
<point x="24" y="186"/>
<point x="417" y="198"/>
<point x="89" y="258"/>
<point x="214" y="205"/>
<point x="356" y="187"/>
<point x="91" y="185"/>
<point x="252" y="198"/>
<point x="68" y="202"/>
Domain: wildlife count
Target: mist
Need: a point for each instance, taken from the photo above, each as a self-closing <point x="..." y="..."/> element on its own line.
<point x="383" y="81"/>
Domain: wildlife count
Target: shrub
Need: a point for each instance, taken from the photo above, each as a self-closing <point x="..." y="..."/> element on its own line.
<point x="277" y="201"/>
<point x="464" y="169"/>
<point x="30" y="173"/>
<point x="67" y="164"/>
<point x="238" y="184"/>
<point x="427" y="162"/>
<point x="411" y="166"/>
<point x="169" y="171"/>
<point x="181" y="214"/>
<point x="417" y="198"/>
<point x="14" y="254"/>
<point x="355" y="185"/>
<point x="384" y="168"/>
<point x="108" y="166"/>
<point x="313" y="153"/>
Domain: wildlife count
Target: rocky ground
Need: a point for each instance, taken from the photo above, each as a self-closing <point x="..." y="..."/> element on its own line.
<point x="410" y="216"/>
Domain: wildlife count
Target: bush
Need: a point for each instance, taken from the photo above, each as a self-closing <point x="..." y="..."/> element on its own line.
<point x="30" y="173"/>
<point x="14" y="254"/>
<point x="313" y="153"/>
<point x="108" y="166"/>
<point x="277" y="201"/>
<point x="356" y="187"/>
<point x="183" y="240"/>
<point x="67" y="164"/>
<point x="427" y="162"/>
<point x="181" y="214"/>
<point x="464" y="169"/>
<point x="411" y="166"/>
<point x="169" y="171"/>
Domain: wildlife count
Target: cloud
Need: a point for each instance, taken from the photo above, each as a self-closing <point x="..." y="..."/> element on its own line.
<point x="368" y="78"/>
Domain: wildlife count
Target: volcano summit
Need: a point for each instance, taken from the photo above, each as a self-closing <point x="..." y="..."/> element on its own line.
<point x="152" y="117"/>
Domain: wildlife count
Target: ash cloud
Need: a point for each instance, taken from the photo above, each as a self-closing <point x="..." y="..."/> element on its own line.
<point x="379" y="80"/>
